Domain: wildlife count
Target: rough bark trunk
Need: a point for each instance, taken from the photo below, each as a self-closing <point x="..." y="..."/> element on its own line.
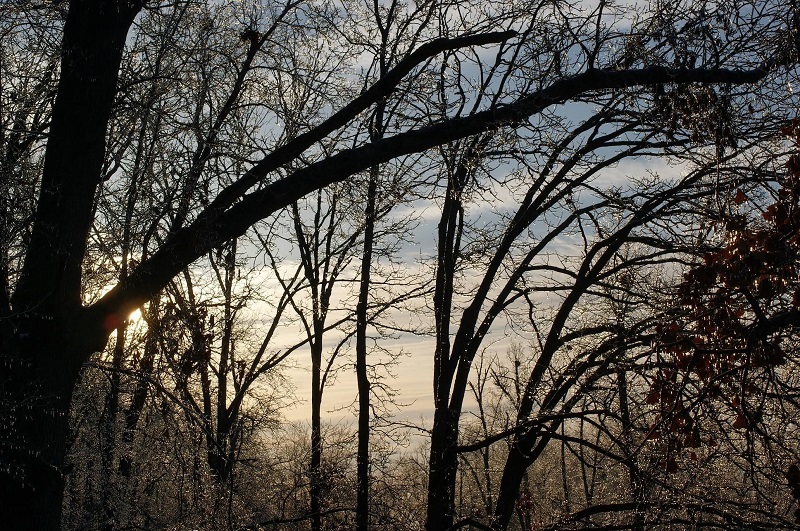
<point x="50" y="337"/>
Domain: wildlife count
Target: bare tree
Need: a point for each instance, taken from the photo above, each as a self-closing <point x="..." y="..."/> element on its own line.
<point x="554" y="53"/>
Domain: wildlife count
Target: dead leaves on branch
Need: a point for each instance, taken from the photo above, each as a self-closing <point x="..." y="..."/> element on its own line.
<point x="737" y="312"/>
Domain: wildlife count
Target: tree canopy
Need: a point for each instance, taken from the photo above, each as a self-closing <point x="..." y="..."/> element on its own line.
<point x="233" y="171"/>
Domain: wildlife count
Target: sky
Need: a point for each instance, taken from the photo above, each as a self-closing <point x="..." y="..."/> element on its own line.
<point x="412" y="375"/>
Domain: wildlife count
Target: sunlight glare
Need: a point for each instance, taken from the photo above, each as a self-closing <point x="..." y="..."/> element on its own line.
<point x="135" y="316"/>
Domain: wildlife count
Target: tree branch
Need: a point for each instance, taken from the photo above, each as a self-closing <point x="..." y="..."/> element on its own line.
<point x="208" y="230"/>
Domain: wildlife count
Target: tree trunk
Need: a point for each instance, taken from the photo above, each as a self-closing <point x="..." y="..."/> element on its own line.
<point x="362" y="459"/>
<point x="136" y="407"/>
<point x="635" y="478"/>
<point x="513" y="474"/>
<point x="50" y="337"/>
<point x="108" y="432"/>
<point x="315" y="471"/>
<point x="443" y="465"/>
<point x="221" y="456"/>
<point x="443" y="460"/>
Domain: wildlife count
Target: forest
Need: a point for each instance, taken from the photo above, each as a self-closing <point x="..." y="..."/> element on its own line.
<point x="399" y="264"/>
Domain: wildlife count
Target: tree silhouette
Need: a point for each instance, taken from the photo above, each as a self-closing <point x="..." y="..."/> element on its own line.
<point x="47" y="329"/>
<point x="736" y="321"/>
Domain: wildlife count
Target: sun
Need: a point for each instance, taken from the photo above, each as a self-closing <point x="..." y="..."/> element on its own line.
<point x="135" y="316"/>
